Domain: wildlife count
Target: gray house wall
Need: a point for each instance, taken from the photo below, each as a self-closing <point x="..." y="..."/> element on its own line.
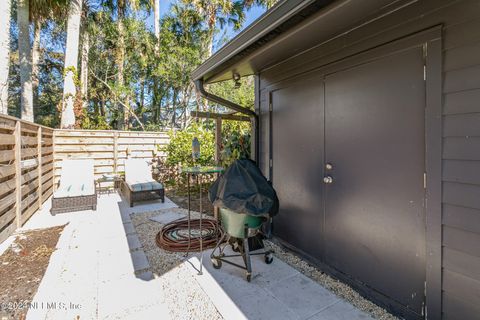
<point x="460" y="216"/>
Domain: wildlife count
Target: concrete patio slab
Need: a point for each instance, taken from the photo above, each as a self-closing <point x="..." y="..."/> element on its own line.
<point x="341" y="310"/>
<point x="95" y="260"/>
<point x="139" y="260"/>
<point x="302" y="295"/>
<point x="167" y="217"/>
<point x="148" y="206"/>
<point x="129" y="228"/>
<point x="133" y="242"/>
<point x="99" y="271"/>
<point x="123" y="297"/>
<point x="276" y="291"/>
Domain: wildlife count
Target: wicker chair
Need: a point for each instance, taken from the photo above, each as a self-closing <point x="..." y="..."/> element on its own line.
<point x="76" y="190"/>
<point x="139" y="184"/>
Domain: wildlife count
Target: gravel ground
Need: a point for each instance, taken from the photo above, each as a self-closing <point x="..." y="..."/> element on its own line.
<point x="191" y="301"/>
<point x="185" y="298"/>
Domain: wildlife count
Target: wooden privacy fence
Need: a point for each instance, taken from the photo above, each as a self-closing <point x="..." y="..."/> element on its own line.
<point x="31" y="155"/>
<point x="108" y="148"/>
<point x="26" y="171"/>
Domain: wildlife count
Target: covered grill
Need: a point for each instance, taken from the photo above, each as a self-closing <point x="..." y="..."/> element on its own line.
<point x="246" y="201"/>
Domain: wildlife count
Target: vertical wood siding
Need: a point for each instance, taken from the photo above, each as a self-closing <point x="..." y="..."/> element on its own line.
<point x="461" y="128"/>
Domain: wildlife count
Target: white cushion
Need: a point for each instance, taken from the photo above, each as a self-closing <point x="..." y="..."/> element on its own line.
<point x="137" y="171"/>
<point x="76" y="178"/>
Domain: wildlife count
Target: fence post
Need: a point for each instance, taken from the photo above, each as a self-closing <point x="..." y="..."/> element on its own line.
<point x="54" y="161"/>
<point x="115" y="151"/>
<point x="39" y="167"/>
<point x="18" y="173"/>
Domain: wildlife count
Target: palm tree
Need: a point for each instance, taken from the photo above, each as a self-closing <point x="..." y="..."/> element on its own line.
<point x="121" y="6"/>
<point x="37" y="29"/>
<point x="156" y="22"/>
<point x="84" y="67"/>
<point x="120" y="57"/>
<point x="28" y="10"/>
<point x="263" y="3"/>
<point x="40" y="12"/>
<point x="25" y="59"/>
<point x="4" y="54"/>
<point x="221" y="11"/>
<point x="85" y="50"/>
<point x="71" y="61"/>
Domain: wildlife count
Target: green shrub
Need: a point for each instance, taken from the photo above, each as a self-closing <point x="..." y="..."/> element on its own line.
<point x="235" y="145"/>
<point x="179" y="150"/>
<point x="235" y="141"/>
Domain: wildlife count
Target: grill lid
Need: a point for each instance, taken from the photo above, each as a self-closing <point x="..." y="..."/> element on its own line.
<point x="244" y="189"/>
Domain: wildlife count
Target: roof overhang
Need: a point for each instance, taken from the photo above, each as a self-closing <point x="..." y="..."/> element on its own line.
<point x="287" y="29"/>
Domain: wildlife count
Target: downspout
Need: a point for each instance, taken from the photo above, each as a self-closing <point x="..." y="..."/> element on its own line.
<point x="233" y="106"/>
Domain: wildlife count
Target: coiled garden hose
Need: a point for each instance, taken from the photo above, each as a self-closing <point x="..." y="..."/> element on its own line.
<point x="174" y="235"/>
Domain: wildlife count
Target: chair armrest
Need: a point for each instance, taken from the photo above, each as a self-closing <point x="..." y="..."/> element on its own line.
<point x="123" y="182"/>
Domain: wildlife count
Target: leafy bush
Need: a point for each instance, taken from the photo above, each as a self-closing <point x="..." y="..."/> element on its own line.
<point x="235" y="141"/>
<point x="93" y="122"/>
<point x="179" y="150"/>
<point x="235" y="145"/>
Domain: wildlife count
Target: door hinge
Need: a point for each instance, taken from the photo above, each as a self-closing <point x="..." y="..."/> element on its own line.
<point x="271" y="163"/>
<point x="425" y="180"/>
<point x="424" y="72"/>
<point x="424" y="307"/>
<point x="424" y="50"/>
<point x="270" y="107"/>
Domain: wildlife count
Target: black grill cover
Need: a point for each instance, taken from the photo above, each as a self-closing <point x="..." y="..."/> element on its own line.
<point x="244" y="189"/>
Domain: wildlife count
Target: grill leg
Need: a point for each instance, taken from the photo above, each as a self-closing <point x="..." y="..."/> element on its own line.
<point x="246" y="255"/>
<point x="218" y="246"/>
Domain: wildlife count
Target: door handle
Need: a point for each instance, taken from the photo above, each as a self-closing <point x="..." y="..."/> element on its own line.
<point x="327" y="180"/>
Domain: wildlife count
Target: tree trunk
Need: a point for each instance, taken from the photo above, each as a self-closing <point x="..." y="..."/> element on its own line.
<point x="174" y="107"/>
<point x="84" y="68"/>
<point x="25" y="61"/>
<point x="156" y="101"/>
<point x="142" y="94"/>
<point x="102" y="107"/>
<point x="120" y="62"/>
<point x="210" y="36"/>
<point x="4" y="54"/>
<point x="71" y="62"/>
<point x="96" y="107"/>
<point x="156" y="23"/>
<point x="37" y="29"/>
<point x="212" y="24"/>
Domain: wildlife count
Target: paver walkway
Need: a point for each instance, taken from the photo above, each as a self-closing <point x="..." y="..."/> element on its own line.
<point x="99" y="271"/>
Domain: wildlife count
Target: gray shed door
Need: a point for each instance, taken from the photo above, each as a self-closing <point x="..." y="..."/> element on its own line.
<point x="367" y="121"/>
<point x="374" y="139"/>
<point x="297" y="146"/>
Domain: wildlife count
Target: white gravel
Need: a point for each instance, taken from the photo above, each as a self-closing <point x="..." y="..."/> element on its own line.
<point x="187" y="299"/>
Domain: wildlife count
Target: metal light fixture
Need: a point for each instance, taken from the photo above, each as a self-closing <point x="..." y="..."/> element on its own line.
<point x="236" y="78"/>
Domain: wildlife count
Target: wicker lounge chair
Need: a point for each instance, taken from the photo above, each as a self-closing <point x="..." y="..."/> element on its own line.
<point x="139" y="184"/>
<point x="76" y="190"/>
